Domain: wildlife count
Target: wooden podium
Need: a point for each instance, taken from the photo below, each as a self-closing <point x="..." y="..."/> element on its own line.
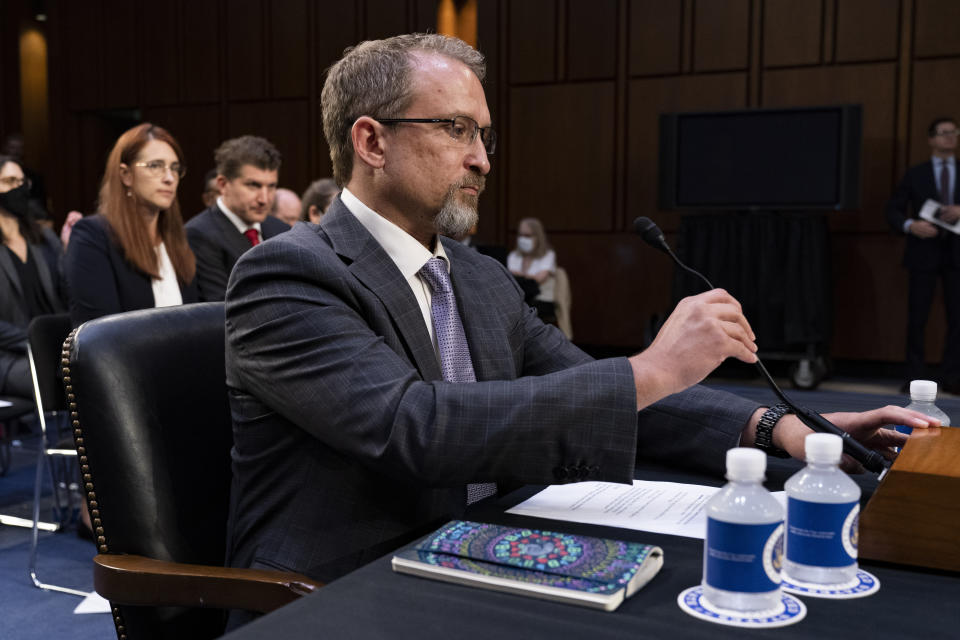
<point x="913" y="517"/>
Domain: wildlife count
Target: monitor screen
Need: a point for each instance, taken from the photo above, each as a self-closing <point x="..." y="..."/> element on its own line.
<point x="765" y="159"/>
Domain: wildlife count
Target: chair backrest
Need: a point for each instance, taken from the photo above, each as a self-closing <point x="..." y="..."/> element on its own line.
<point x="152" y="427"/>
<point x="563" y="300"/>
<point x="45" y="336"/>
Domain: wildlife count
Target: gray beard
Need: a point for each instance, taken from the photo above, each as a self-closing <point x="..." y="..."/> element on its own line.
<point x="455" y="218"/>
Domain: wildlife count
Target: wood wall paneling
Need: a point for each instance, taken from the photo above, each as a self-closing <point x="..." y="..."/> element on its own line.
<point x="282" y="123"/>
<point x="79" y="31"/>
<point x="647" y="99"/>
<point x="201" y="63"/>
<point x="935" y="93"/>
<point x="197" y="129"/>
<point x="654" y="37"/>
<point x="591" y="39"/>
<point x="936" y="28"/>
<point x="246" y="51"/>
<point x="792" y="32"/>
<point x="873" y="86"/>
<point x="617" y="284"/>
<point x="159" y="52"/>
<point x="289" y="49"/>
<point x="532" y="31"/>
<point x="336" y="29"/>
<point x="561" y="154"/>
<point x="121" y="51"/>
<point x="867" y="30"/>
<point x="721" y="35"/>
<point x="386" y="18"/>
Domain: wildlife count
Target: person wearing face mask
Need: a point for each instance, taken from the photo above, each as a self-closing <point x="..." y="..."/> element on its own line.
<point x="533" y="259"/>
<point x="28" y="286"/>
<point x="133" y="254"/>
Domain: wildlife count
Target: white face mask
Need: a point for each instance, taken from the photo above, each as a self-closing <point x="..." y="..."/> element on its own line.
<point x="525" y="244"/>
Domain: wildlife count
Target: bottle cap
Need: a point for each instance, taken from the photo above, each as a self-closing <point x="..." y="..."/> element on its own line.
<point x="746" y="464"/>
<point x="823" y="447"/>
<point x="923" y="390"/>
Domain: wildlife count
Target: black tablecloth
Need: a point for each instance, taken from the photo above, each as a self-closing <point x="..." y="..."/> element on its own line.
<point x="374" y="602"/>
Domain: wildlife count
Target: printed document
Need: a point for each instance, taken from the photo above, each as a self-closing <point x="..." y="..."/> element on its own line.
<point x="930" y="211"/>
<point x="661" y="507"/>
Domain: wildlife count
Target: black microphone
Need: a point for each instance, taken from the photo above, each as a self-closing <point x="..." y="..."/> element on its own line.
<point x="871" y="460"/>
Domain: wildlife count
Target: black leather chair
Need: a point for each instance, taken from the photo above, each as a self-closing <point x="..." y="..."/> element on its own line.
<point x="46" y="335"/>
<point x="148" y="402"/>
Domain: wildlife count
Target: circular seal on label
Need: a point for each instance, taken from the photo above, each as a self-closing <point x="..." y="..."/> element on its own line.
<point x="789" y="611"/>
<point x="773" y="555"/>
<point x="850" y="534"/>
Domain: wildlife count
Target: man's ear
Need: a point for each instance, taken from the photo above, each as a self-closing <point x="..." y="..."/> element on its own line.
<point x="368" y="141"/>
<point x="221" y="182"/>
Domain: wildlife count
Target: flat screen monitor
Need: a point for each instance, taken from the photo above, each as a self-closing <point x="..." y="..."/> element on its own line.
<point x="761" y="159"/>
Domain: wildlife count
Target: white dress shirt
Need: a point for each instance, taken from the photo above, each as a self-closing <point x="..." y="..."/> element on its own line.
<point x="166" y="290"/>
<point x="237" y="222"/>
<point x="405" y="251"/>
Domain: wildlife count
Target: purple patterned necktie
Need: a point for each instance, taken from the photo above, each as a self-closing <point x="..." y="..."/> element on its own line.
<point x="945" y="183"/>
<point x="455" y="362"/>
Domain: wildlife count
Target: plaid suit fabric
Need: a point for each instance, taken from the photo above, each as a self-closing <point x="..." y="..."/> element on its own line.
<point x="348" y="441"/>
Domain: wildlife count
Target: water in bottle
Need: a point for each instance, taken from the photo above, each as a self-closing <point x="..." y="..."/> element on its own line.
<point x="823" y="508"/>
<point x="743" y="550"/>
<point x="922" y="395"/>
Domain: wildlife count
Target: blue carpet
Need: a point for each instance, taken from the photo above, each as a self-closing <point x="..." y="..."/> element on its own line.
<point x="28" y="613"/>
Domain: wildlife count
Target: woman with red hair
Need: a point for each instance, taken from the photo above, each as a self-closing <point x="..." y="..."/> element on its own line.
<point x="133" y="254"/>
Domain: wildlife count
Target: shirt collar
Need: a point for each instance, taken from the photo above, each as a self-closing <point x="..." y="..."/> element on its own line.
<point x="235" y="219"/>
<point x="950" y="161"/>
<point x="405" y="251"/>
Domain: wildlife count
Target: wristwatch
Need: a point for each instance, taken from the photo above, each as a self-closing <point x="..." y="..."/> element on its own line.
<point x="764" y="436"/>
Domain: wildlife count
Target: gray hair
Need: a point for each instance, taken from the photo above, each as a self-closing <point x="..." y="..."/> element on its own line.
<point x="373" y="79"/>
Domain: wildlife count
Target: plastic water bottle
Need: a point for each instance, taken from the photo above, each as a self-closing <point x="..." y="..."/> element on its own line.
<point x="823" y="509"/>
<point x="743" y="550"/>
<point x="922" y="395"/>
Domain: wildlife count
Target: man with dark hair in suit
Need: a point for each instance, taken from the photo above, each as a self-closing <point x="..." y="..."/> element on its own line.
<point x="247" y="173"/>
<point x="382" y="377"/>
<point x="930" y="251"/>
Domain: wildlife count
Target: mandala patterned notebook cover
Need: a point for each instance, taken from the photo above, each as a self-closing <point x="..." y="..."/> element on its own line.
<point x="594" y="572"/>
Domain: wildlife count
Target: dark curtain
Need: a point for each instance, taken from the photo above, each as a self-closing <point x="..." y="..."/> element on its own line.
<point x="776" y="264"/>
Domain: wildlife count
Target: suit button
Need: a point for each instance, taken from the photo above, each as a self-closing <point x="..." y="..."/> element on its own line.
<point x="560" y="473"/>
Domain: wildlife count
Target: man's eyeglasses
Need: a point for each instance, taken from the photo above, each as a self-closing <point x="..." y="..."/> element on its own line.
<point x="158" y="168"/>
<point x="12" y="182"/>
<point x="463" y="129"/>
<point x="950" y="133"/>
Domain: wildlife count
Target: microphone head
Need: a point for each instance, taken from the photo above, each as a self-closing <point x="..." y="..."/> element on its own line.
<point x="650" y="232"/>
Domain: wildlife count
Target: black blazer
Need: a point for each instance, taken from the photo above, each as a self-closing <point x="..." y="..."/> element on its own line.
<point x="13" y="313"/>
<point x="99" y="279"/>
<point x="917" y="186"/>
<point x="218" y="245"/>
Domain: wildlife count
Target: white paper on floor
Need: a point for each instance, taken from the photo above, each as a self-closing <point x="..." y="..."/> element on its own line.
<point x="93" y="603"/>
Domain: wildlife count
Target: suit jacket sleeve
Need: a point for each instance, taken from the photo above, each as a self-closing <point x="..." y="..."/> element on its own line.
<point x="91" y="282"/>
<point x="299" y="334"/>
<point x="212" y="275"/>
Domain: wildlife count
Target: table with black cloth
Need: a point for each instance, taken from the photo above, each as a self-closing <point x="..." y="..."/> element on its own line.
<point x="375" y="602"/>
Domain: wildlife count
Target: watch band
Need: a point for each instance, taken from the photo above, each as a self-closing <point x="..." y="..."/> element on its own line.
<point x="764" y="435"/>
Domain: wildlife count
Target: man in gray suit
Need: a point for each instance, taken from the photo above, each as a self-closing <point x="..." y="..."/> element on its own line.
<point x="371" y="400"/>
<point x="247" y="173"/>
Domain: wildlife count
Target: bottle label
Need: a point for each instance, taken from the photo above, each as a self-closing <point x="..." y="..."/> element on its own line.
<point x="743" y="557"/>
<point x="822" y="535"/>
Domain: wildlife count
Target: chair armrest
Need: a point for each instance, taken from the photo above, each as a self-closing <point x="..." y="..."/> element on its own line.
<point x="137" y="580"/>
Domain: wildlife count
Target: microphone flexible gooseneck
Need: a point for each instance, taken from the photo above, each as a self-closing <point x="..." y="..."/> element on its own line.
<point x="871" y="460"/>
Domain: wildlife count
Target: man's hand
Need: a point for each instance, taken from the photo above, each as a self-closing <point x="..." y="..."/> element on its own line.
<point x="702" y="332"/>
<point x="922" y="229"/>
<point x="867" y="427"/>
<point x="949" y="213"/>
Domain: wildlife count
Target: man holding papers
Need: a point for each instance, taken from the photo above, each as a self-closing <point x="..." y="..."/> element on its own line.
<point x="931" y="252"/>
<point x="382" y="376"/>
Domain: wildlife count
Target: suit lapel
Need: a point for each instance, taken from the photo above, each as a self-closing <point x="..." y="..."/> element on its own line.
<point x="374" y="268"/>
<point x="6" y="265"/>
<point x="43" y="273"/>
<point x="235" y="242"/>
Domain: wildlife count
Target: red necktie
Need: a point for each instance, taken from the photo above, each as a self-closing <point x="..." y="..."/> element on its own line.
<point x="252" y="236"/>
<point x="944" y="184"/>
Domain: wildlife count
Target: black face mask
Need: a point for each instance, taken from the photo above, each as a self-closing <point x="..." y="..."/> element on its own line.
<point x="16" y="202"/>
